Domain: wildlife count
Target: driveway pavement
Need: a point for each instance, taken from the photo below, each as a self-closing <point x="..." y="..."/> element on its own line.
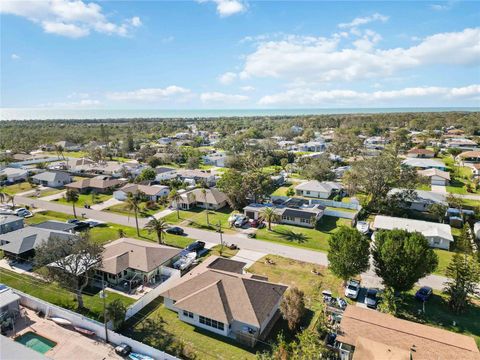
<point x="53" y="196"/>
<point x="469" y="196"/>
<point x="163" y="213"/>
<point x="439" y="189"/>
<point x="106" y="204"/>
<point x="241" y="240"/>
<point x="248" y="256"/>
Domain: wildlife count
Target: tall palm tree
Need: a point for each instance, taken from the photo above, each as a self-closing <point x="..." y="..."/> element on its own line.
<point x="204" y="196"/>
<point x="72" y="196"/>
<point x="175" y="197"/>
<point x="269" y="215"/>
<point x="158" y="226"/>
<point x="133" y="204"/>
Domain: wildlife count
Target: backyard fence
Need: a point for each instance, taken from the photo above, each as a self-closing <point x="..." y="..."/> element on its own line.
<point x="33" y="303"/>
<point x="340" y="214"/>
<point x="154" y="293"/>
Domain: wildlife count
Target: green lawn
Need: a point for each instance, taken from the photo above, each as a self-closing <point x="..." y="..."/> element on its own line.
<point x="457" y="186"/>
<point x="109" y="232"/>
<point x="144" y="212"/>
<point x="316" y="239"/>
<point x="86" y="199"/>
<point x="18" y="188"/>
<point x="425" y="187"/>
<point x="281" y="191"/>
<point x="444" y="258"/>
<point x="438" y="314"/>
<point x="197" y="217"/>
<point x="57" y="295"/>
<point x="226" y="252"/>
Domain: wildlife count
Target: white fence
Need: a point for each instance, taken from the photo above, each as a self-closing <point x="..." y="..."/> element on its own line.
<point x="154" y="293"/>
<point x="324" y="202"/>
<point x="86" y="323"/>
<point x="340" y="214"/>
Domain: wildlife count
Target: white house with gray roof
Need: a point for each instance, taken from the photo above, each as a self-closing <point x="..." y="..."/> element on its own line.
<point x="423" y="199"/>
<point x="10" y="223"/>
<point x="53" y="179"/>
<point x="438" y="235"/>
<point x="317" y="189"/>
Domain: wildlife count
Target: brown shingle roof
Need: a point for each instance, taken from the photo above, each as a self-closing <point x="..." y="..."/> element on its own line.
<point x="95" y="183"/>
<point x="225" y="296"/>
<point x="150" y="190"/>
<point x="366" y="349"/>
<point x="435" y="172"/>
<point x="430" y="343"/>
<point x="470" y="154"/>
<point x="135" y="254"/>
<point x="421" y="151"/>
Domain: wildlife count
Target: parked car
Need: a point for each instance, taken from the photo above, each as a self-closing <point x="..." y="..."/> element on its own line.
<point x="256" y="223"/>
<point x="424" y="293"/>
<point x="22" y="212"/>
<point x="123" y="349"/>
<point x="175" y="230"/>
<point x="371" y="298"/>
<point x="196" y="246"/>
<point x="19" y="210"/>
<point x="72" y="221"/>
<point x="352" y="289"/>
<point x="232" y="218"/>
<point x="241" y="220"/>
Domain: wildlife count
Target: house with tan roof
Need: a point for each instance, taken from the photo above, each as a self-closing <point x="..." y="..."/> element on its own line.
<point x="100" y="184"/>
<point x="196" y="176"/>
<point x="152" y="192"/>
<point x="212" y="199"/>
<point x="420" y="153"/>
<point x="368" y="334"/>
<point x="228" y="303"/>
<point x="469" y="157"/>
<point x="437" y="177"/>
<point x="127" y="261"/>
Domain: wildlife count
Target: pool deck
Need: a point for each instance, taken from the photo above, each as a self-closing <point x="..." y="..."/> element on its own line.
<point x="71" y="345"/>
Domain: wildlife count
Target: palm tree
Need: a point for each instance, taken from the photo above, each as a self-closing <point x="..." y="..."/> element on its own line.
<point x="204" y="195"/>
<point x="72" y="196"/>
<point x="158" y="226"/>
<point x="269" y="215"/>
<point x="175" y="197"/>
<point x="133" y="204"/>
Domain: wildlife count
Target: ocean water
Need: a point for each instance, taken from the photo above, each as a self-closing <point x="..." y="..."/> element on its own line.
<point x="45" y="113"/>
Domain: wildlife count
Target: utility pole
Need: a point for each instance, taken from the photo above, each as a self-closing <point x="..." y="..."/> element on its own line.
<point x="221" y="238"/>
<point x="103" y="295"/>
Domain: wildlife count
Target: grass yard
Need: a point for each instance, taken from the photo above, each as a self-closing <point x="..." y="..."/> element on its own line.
<point x="281" y="191"/>
<point x="197" y="218"/>
<point x="144" y="212"/>
<point x="159" y="327"/>
<point x="109" y="232"/>
<point x="425" y="187"/>
<point x="57" y="295"/>
<point x="457" y="186"/>
<point x="17" y="188"/>
<point x="438" y="314"/>
<point x="226" y="252"/>
<point x="316" y="239"/>
<point x="43" y="193"/>
<point x="444" y="258"/>
<point x="86" y="199"/>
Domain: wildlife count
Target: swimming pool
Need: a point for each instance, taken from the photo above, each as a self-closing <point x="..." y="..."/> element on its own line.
<point x="36" y="342"/>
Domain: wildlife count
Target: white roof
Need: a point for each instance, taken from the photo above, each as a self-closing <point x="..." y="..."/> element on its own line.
<point x="423" y="163"/>
<point x="324" y="186"/>
<point x="428" y="229"/>
<point x="13" y="171"/>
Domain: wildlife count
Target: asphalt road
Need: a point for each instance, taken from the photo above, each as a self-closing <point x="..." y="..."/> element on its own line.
<point x="369" y="279"/>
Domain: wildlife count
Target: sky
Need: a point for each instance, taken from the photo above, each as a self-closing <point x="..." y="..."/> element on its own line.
<point x="234" y="54"/>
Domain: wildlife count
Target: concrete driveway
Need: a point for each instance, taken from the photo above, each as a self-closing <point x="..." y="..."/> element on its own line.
<point x="248" y="256"/>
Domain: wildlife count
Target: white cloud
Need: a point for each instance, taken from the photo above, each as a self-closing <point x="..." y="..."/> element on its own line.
<point x="247" y="88"/>
<point x="319" y="59"/>
<point x="85" y="103"/>
<point x="444" y="6"/>
<point x="149" y="94"/>
<point x="330" y="98"/>
<point x="70" y="18"/>
<point x="227" y="78"/>
<point x="228" y="7"/>
<point x="218" y="97"/>
<point x="363" y="21"/>
<point x="15" y="57"/>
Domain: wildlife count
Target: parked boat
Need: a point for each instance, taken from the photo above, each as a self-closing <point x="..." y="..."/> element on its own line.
<point x="137" y="356"/>
<point x="185" y="261"/>
<point x="84" y="331"/>
<point x="61" y="321"/>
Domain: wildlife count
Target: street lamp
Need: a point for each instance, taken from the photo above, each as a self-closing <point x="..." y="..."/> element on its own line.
<point x="103" y="295"/>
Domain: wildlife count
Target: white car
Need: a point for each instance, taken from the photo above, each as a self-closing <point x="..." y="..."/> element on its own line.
<point x="352" y="289"/>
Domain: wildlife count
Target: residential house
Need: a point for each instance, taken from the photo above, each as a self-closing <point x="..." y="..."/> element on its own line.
<point x="20" y="244"/>
<point x="56" y="226"/>
<point x="475" y="169"/>
<point x="218" y="298"/>
<point x="461" y="143"/>
<point x="68" y="146"/>
<point x="420" y="153"/>
<point x="212" y="199"/>
<point x="438" y="235"/>
<point x="215" y="159"/>
<point x="375" y="142"/>
<point x="366" y="334"/>
<point x="476" y="230"/>
<point x="165" y="140"/>
<point x="296" y="129"/>
<point x="317" y="189"/>
<point x="469" y="157"/>
<point x="437" y="177"/>
<point x="455" y="132"/>
<point x="196" y="176"/>
<point x="422" y="199"/>
<point x="294" y="211"/>
<point x="13" y="175"/>
<point x="286" y="144"/>
<point x="125" y="260"/>
<point x="424" y="164"/>
<point x="164" y="173"/>
<point x="52" y="179"/>
<point x="10" y="223"/>
<point x="9" y="311"/>
<point x="99" y="184"/>
<point x="312" y="146"/>
<point x="152" y="192"/>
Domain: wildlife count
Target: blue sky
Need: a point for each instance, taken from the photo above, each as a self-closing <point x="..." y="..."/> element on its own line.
<point x="239" y="54"/>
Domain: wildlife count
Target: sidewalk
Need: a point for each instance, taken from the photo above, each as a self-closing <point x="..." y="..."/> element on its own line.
<point x="106" y="204"/>
<point x="163" y="213"/>
<point x="439" y="189"/>
<point x="53" y="197"/>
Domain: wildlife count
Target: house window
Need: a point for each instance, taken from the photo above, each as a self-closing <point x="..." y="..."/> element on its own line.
<point x="212" y="323"/>
<point x="188" y="314"/>
<point x="436" y="241"/>
<point x="305" y="221"/>
<point x="308" y="192"/>
<point x="124" y="272"/>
